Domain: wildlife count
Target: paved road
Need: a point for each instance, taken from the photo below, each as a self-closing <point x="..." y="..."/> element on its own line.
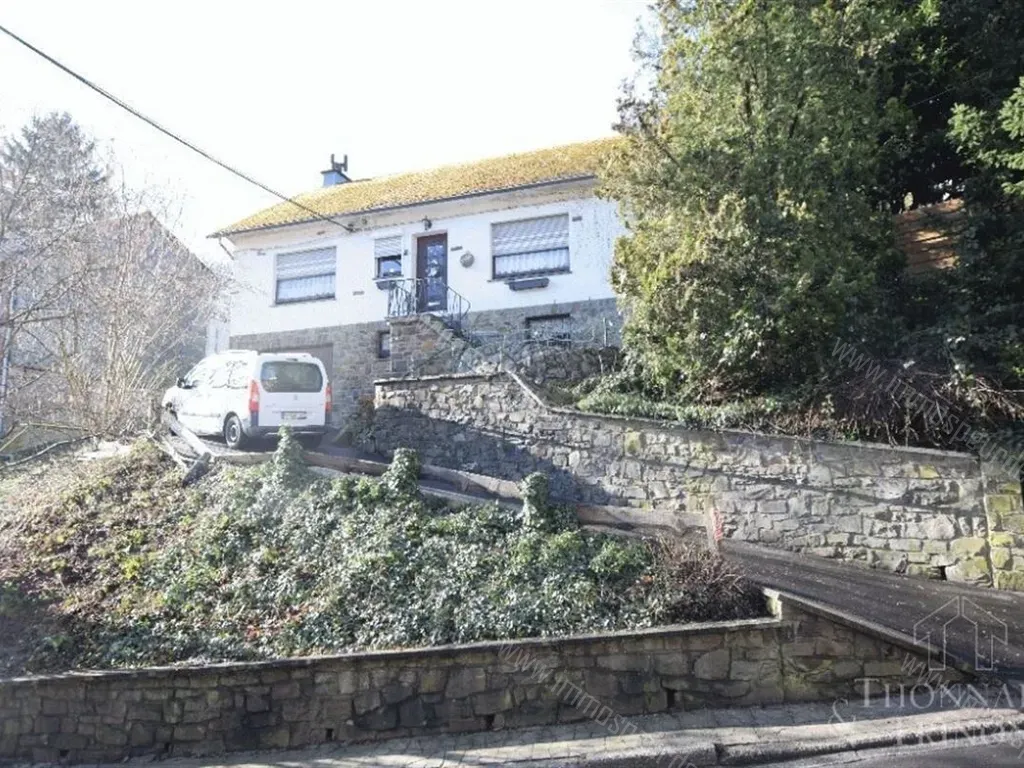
<point x="753" y="736"/>
<point x="901" y="602"/>
<point x="953" y="755"/>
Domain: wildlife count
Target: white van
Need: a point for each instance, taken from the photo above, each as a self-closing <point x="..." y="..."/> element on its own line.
<point x="244" y="395"/>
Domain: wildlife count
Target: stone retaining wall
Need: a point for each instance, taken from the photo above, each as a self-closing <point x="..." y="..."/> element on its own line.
<point x="933" y="513"/>
<point x="800" y="654"/>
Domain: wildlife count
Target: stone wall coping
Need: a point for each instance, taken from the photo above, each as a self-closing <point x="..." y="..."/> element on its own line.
<point x="870" y="628"/>
<point x="406" y="378"/>
<point x="412" y="654"/>
<point x="862" y="625"/>
<point x="665" y="425"/>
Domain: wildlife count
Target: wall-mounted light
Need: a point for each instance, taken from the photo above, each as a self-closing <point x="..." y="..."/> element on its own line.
<point x="427" y="224"/>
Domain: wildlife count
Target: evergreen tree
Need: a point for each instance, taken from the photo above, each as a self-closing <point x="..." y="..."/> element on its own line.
<point x="748" y="184"/>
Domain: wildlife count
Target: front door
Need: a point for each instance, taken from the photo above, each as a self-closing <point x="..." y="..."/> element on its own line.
<point x="432" y="271"/>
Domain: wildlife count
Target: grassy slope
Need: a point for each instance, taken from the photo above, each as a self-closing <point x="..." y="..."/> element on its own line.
<point x="73" y="535"/>
<point x="113" y="564"/>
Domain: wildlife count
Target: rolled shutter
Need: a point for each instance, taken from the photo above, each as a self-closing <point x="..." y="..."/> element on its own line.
<point x="306" y="263"/>
<point x="306" y="275"/>
<point x="530" y="246"/>
<point x="386" y="247"/>
<point x="544" y="234"/>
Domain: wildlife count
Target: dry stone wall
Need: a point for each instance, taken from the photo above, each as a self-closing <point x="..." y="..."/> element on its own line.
<point x="932" y="513"/>
<point x="800" y="654"/>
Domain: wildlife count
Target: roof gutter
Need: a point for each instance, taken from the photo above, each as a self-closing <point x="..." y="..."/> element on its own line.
<point x="220" y="242"/>
<point x="418" y="203"/>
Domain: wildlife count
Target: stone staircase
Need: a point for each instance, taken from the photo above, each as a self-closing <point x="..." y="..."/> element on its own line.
<point x="428" y="345"/>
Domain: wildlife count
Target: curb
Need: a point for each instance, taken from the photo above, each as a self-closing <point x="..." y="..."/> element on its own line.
<point x="682" y="754"/>
<point x="668" y="751"/>
<point x="763" y="752"/>
<point x="699" y="753"/>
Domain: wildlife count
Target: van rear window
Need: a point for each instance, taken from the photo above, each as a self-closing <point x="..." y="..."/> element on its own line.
<point x="289" y="376"/>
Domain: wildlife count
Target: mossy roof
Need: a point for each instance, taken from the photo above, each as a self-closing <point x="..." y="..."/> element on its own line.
<point x="494" y="174"/>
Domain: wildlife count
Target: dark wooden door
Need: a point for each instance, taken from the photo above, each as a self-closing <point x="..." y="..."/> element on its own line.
<point x="432" y="271"/>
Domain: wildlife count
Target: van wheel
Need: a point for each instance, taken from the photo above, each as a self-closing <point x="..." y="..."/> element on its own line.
<point x="234" y="435"/>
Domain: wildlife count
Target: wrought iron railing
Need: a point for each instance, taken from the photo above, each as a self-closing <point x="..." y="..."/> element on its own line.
<point x="417" y="296"/>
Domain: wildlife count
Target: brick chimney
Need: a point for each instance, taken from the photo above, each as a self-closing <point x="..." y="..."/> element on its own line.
<point x="337" y="173"/>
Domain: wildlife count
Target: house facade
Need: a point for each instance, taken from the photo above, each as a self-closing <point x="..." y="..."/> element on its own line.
<point x="516" y="247"/>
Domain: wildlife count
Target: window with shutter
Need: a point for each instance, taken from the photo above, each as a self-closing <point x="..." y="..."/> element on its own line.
<point x="387" y="252"/>
<point x="305" y="276"/>
<point x="530" y="246"/>
<point x="549" y="329"/>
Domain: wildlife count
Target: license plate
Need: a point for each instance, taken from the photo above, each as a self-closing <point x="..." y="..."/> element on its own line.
<point x="293" y="415"/>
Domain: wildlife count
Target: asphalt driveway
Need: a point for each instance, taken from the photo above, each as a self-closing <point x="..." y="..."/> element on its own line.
<point x="980" y="627"/>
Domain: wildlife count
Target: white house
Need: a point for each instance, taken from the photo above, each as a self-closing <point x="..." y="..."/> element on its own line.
<point x="516" y="243"/>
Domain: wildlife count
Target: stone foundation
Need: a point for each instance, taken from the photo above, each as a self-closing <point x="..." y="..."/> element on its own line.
<point x="597" y="319"/>
<point x="424" y="345"/>
<point x="353" y="366"/>
<point x="802" y="653"/>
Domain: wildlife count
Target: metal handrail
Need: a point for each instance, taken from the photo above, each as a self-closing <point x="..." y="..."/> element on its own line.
<point x="426" y="295"/>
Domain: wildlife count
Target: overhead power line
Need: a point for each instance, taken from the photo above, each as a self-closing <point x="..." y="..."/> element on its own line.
<point x="166" y="131"/>
<point x="981" y="74"/>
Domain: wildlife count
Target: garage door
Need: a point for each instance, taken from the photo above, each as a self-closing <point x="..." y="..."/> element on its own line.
<point x="324" y="353"/>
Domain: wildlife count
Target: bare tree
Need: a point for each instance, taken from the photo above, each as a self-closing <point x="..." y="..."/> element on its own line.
<point x="102" y="301"/>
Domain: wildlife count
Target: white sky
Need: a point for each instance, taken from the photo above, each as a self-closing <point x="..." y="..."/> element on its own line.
<point x="395" y="84"/>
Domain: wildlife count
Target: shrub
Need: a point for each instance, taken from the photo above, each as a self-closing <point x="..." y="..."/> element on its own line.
<point x="693" y="584"/>
<point x="274" y="560"/>
<point x="401" y="479"/>
<point x="753" y="239"/>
